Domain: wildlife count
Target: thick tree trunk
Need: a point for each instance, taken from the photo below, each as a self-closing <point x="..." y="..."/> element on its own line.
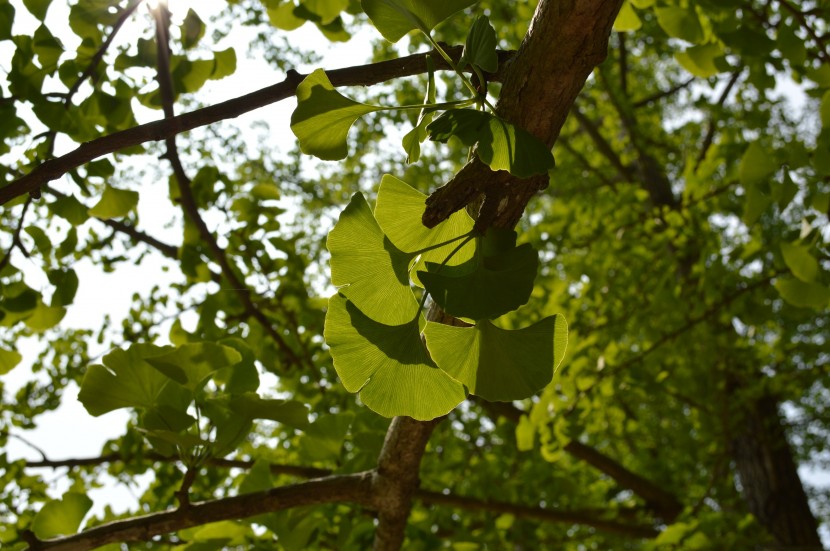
<point x="769" y="477"/>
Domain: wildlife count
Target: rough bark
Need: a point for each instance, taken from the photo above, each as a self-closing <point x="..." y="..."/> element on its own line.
<point x="769" y="477"/>
<point x="565" y="41"/>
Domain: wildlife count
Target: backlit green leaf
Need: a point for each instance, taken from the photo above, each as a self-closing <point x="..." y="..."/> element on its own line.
<point x="801" y="263"/>
<point x="45" y="317"/>
<point x="287" y="412"/>
<point x="627" y="20"/>
<point x="191" y="365"/>
<point x="281" y="15"/>
<point x="328" y="10"/>
<point x="680" y="23"/>
<point x="480" y="48"/>
<point x="755" y="203"/>
<point x="501" y="145"/>
<point x="369" y="270"/>
<point x="804" y="295"/>
<point x="192" y="29"/>
<point x="125" y="380"/>
<point x="388" y="365"/>
<point x="8" y="360"/>
<point x="323" y="117"/>
<point x="114" y="203"/>
<point x="701" y="60"/>
<point x="395" y="18"/>
<point x="399" y="210"/>
<point x="497" y="364"/>
<point x="6" y="20"/>
<point x="495" y="281"/>
<point x="62" y="517"/>
<point x="756" y="165"/>
<point x="70" y="209"/>
<point x="38" y="8"/>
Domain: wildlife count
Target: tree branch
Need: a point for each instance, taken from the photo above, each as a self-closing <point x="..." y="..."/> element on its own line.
<point x="658" y="500"/>
<point x="186" y="192"/>
<point x="359" y="75"/>
<point x="663" y="94"/>
<point x="16" y="243"/>
<point x="586" y="518"/>
<point x="353" y="488"/>
<point x="137" y="235"/>
<point x="709" y="137"/>
<point x="396" y="478"/>
<point x="276" y="468"/>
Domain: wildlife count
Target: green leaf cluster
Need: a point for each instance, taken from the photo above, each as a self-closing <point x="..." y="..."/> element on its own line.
<point x="374" y="323"/>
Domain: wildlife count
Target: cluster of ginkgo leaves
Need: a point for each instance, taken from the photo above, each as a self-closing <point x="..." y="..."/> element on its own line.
<point x="380" y="343"/>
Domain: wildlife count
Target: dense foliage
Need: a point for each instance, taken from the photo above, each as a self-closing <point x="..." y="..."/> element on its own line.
<point x="681" y="231"/>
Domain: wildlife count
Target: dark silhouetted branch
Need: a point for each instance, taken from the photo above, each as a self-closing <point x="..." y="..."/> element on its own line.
<point x="360" y="75"/>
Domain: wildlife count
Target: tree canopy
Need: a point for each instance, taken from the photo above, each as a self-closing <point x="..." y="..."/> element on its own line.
<point x="537" y="275"/>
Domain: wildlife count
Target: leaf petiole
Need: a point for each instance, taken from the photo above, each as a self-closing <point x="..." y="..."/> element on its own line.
<point x="439" y="245"/>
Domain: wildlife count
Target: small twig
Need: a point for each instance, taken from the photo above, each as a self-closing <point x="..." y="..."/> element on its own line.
<point x="137" y="235"/>
<point x="602" y="145"/>
<point x="664" y="94"/>
<point x="802" y="19"/>
<point x="35" y="447"/>
<point x="709" y="137"/>
<point x="16" y="243"/>
<point x="186" y="191"/>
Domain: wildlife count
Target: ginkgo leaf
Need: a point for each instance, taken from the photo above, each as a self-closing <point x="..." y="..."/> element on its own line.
<point x="501" y="145"/>
<point x="802" y="294"/>
<point x="190" y="365"/>
<point x="250" y="405"/>
<point x="399" y="209"/>
<point x="61" y="517"/>
<point x="368" y="269"/>
<point x="388" y="365"/>
<point x="497" y="364"/>
<point x="627" y="20"/>
<point x="126" y="381"/>
<point x="114" y="203"/>
<point x="801" y="263"/>
<point x="8" y="360"/>
<point x="323" y="117"/>
<point x="497" y="280"/>
<point x="480" y="48"/>
<point x="394" y="18"/>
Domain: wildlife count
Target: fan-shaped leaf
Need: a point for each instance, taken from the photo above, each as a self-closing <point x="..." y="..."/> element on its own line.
<point x="388" y="365"/>
<point x="480" y="49"/>
<point x="190" y="365"/>
<point x="126" y="381"/>
<point x="370" y="271"/>
<point x="323" y="117"/>
<point x="61" y="517"/>
<point x="501" y="145"/>
<point x="8" y="360"/>
<point x="497" y="280"/>
<point x="803" y="295"/>
<point x="114" y="203"/>
<point x="399" y="210"/>
<point x="497" y="364"/>
<point x="395" y="18"/>
<point x="800" y="262"/>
